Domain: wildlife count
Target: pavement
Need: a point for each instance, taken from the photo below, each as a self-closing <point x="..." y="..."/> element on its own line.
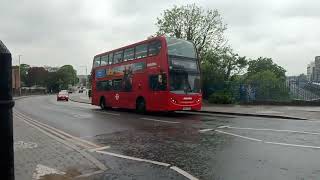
<point x="39" y="155"/>
<point x="173" y="146"/>
<point x="287" y="112"/>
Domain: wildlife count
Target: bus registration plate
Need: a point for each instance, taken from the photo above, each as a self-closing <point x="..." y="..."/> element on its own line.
<point x="186" y="108"/>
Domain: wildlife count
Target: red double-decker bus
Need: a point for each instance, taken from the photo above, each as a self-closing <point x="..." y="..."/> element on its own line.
<point x="158" y="74"/>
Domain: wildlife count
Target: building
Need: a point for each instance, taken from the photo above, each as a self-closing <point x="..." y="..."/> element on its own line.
<point x="310" y="71"/>
<point x="313" y="70"/>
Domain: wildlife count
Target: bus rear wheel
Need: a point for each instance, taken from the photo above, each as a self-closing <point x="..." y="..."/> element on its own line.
<point x="141" y="106"/>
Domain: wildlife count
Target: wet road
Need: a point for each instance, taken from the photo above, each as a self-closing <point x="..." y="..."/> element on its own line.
<point x="206" y="146"/>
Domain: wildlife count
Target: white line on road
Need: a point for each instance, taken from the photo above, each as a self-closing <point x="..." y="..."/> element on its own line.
<point x="158" y="120"/>
<point x="273" y="130"/>
<point x="236" y="135"/>
<point x="57" y="131"/>
<point x="109" y="113"/>
<point x="294" y="145"/>
<point x="134" y="158"/>
<point x="178" y="170"/>
<point x="99" y="149"/>
<point x="184" y="173"/>
<point x="205" y="130"/>
<point x="269" y="142"/>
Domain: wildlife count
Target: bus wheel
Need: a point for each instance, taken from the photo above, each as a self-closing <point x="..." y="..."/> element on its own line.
<point x="141" y="106"/>
<point x="102" y="103"/>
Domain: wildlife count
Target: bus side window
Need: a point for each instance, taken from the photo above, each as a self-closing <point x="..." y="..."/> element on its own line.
<point x="104" y="60"/>
<point x="104" y="85"/>
<point x="96" y="62"/>
<point x="158" y="82"/>
<point x="111" y="58"/>
<point x="116" y="84"/>
<point x="128" y="54"/>
<point x="154" y="48"/>
<point x="118" y="57"/>
<point x="141" y="51"/>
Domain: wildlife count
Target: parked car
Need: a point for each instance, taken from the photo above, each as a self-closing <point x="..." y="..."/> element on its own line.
<point x="63" y="95"/>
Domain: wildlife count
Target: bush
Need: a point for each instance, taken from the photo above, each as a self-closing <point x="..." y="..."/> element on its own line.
<point x="221" y="97"/>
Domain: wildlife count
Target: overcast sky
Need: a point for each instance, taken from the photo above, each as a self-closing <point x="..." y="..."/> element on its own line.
<point x="59" y="32"/>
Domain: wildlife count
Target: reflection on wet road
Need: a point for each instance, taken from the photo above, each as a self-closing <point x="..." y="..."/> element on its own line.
<point x="206" y="146"/>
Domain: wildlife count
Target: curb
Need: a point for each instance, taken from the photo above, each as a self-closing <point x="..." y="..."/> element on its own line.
<point x="228" y="113"/>
<point x="252" y="115"/>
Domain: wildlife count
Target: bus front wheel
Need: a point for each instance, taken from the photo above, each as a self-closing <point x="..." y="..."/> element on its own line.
<point x="102" y="103"/>
<point x="141" y="106"/>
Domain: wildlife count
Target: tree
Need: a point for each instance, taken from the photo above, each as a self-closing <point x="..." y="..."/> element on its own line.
<point x="262" y="64"/>
<point x="203" y="27"/>
<point x="268" y="86"/>
<point x="219" y="68"/>
<point x="66" y="76"/>
<point x="52" y="82"/>
<point x="36" y="76"/>
<point x="23" y="73"/>
<point x="225" y="62"/>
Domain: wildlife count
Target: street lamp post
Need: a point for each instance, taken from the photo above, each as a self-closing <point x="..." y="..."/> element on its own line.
<point x="19" y="75"/>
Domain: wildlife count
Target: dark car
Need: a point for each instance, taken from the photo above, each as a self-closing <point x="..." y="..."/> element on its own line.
<point x="63" y="95"/>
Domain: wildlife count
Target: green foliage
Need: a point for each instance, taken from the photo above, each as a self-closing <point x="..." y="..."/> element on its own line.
<point x="221" y="66"/>
<point x="263" y="64"/>
<point x="24" y="71"/>
<point x="221" y="97"/>
<point x="66" y="75"/>
<point x="203" y="27"/>
<point x="36" y="76"/>
<point x="268" y="86"/>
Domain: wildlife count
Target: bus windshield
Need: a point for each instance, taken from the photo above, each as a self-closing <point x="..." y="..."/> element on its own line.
<point x="184" y="74"/>
<point x="180" y="47"/>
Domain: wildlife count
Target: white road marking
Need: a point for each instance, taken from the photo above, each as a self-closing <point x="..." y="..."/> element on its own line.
<point x="99" y="149"/>
<point x="205" y="130"/>
<point x="42" y="170"/>
<point x="269" y="142"/>
<point x="221" y="127"/>
<point x="134" y="158"/>
<point x="184" y="173"/>
<point x="236" y="135"/>
<point x="178" y="170"/>
<point x="273" y="130"/>
<point x="71" y="145"/>
<point x="57" y="131"/>
<point x="158" y="120"/>
<point x="294" y="145"/>
<point x="24" y="145"/>
<point x="103" y="112"/>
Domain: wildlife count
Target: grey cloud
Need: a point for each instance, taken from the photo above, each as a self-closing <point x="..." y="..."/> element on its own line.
<point x="58" y="32"/>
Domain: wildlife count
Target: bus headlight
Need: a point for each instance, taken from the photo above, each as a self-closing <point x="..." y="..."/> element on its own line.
<point x="198" y="100"/>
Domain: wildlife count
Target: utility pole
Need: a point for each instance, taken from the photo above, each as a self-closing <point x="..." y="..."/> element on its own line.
<point x="6" y="124"/>
<point x="19" y="75"/>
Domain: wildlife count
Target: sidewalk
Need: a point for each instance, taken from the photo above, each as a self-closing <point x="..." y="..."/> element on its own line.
<point x="39" y="156"/>
<point x="288" y="112"/>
